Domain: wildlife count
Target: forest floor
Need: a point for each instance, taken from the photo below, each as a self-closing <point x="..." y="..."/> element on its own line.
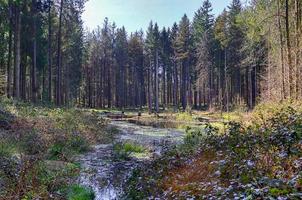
<point x="255" y="155"/>
<point x="38" y="150"/>
<point x="60" y="153"/>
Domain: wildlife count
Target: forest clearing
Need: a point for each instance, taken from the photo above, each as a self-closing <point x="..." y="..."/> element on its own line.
<point x="96" y="104"/>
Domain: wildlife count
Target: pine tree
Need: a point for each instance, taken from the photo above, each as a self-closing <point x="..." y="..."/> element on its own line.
<point x="183" y="42"/>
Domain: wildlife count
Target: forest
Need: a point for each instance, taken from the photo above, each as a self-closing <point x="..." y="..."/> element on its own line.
<point x="208" y="108"/>
<point x="245" y="56"/>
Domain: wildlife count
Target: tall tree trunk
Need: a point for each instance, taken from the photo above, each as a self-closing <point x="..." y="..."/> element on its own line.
<point x="34" y="56"/>
<point x="149" y="87"/>
<point x="156" y="84"/>
<point x="9" y="57"/>
<point x="284" y="90"/>
<point x="226" y="80"/>
<point x="184" y="85"/>
<point x="59" y="67"/>
<point x="109" y="95"/>
<point x="298" y="51"/>
<point x="164" y="87"/>
<point x="175" y="77"/>
<point x="292" y="81"/>
<point x="17" y="50"/>
<point x="49" y="54"/>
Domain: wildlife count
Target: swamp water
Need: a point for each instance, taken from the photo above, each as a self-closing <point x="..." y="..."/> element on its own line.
<point x="107" y="175"/>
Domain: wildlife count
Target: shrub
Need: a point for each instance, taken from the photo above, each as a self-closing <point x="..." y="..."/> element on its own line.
<point x="32" y="144"/>
<point x="77" y="192"/>
<point x="56" y="151"/>
<point x="7" y="148"/>
<point x="78" y="144"/>
<point x="123" y="150"/>
<point x="63" y="147"/>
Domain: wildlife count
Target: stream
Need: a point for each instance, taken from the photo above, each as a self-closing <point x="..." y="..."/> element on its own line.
<point x="107" y="175"/>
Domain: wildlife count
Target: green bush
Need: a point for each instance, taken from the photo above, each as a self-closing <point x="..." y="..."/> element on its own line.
<point x="65" y="147"/>
<point x="78" y="144"/>
<point x="7" y="148"/>
<point x="77" y="192"/>
<point x="32" y="144"/>
<point x="123" y="150"/>
<point x="56" y="151"/>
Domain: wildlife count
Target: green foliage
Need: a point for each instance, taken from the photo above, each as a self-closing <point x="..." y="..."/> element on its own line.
<point x="48" y="140"/>
<point x="193" y="137"/>
<point x="256" y="157"/>
<point x="56" y="175"/>
<point x="276" y="192"/>
<point x="77" y="192"/>
<point x="78" y="144"/>
<point x="32" y="144"/>
<point x="7" y="148"/>
<point x="123" y="151"/>
<point x="56" y="151"/>
<point x="65" y="148"/>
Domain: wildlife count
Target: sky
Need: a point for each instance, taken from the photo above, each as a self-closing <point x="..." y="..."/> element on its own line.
<point x="136" y="14"/>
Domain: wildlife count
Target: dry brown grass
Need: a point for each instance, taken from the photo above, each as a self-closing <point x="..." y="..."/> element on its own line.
<point x="193" y="177"/>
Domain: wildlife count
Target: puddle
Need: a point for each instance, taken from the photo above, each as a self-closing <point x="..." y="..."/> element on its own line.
<point x="106" y="176"/>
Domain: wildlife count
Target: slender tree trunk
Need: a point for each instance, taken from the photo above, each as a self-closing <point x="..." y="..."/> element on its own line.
<point x="164" y="87"/>
<point x="156" y="84"/>
<point x="109" y="86"/>
<point x="34" y="56"/>
<point x="184" y="84"/>
<point x="226" y="80"/>
<point x="149" y="88"/>
<point x="59" y="67"/>
<point x="9" y="57"/>
<point x="292" y="81"/>
<point x="297" y="58"/>
<point x="17" y="52"/>
<point x="49" y="54"/>
<point x="284" y="90"/>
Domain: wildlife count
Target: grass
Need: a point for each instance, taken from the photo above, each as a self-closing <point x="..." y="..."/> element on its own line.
<point x="258" y="158"/>
<point x="184" y="117"/>
<point x="123" y="151"/>
<point x="45" y="140"/>
<point x="77" y="192"/>
<point x="7" y="148"/>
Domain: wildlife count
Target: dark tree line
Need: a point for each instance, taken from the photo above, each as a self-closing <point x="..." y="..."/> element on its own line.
<point x="246" y="55"/>
<point x="41" y="49"/>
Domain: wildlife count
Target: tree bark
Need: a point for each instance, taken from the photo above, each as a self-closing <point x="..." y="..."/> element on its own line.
<point x="156" y="84"/>
<point x="59" y="67"/>
<point x="298" y="51"/>
<point x="34" y="56"/>
<point x="284" y="90"/>
<point x="17" y="52"/>
<point x="9" y="57"/>
<point x="49" y="54"/>
<point x="292" y="81"/>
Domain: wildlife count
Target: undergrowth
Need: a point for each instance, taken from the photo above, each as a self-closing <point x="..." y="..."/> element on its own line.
<point x="123" y="151"/>
<point x="37" y="149"/>
<point x="256" y="160"/>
